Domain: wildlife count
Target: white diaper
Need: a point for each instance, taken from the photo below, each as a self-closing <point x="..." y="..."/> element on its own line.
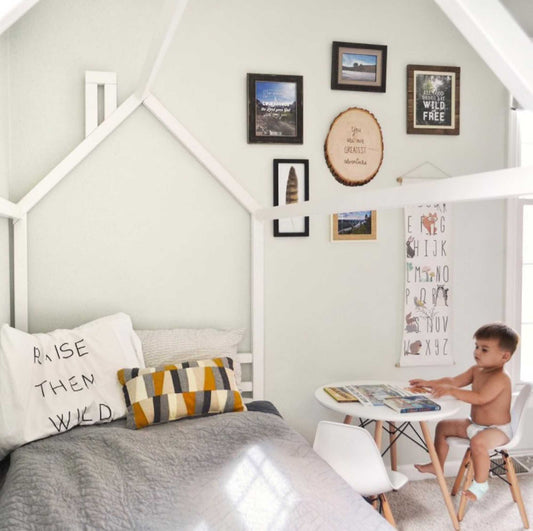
<point x="474" y="429"/>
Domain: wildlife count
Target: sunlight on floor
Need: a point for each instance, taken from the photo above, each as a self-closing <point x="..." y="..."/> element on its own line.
<point x="260" y="492"/>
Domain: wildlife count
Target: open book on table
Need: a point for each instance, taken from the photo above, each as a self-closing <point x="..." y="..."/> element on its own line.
<point x="411" y="404"/>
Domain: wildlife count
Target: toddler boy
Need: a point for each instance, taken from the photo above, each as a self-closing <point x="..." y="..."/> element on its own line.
<point x="489" y="424"/>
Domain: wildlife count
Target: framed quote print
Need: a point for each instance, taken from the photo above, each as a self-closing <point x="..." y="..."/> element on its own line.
<point x="275" y="109"/>
<point x="433" y="100"/>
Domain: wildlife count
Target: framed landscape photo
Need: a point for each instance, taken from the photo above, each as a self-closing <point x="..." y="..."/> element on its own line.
<point x="350" y="226"/>
<point x="359" y="67"/>
<point x="433" y="100"/>
<point x="275" y="109"/>
<point x="291" y="185"/>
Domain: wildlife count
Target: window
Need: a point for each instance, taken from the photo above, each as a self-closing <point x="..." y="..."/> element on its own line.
<point x="520" y="248"/>
<point x="526" y="320"/>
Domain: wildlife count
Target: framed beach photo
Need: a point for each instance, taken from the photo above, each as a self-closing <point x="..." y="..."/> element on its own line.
<point x="433" y="99"/>
<point x="275" y="109"/>
<point x="359" y="67"/>
<point x="351" y="226"/>
<point x="291" y="185"/>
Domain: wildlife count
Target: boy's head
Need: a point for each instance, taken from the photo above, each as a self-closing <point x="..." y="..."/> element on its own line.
<point x="507" y="338"/>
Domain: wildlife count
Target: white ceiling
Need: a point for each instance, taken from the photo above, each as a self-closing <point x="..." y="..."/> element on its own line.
<point x="522" y="12"/>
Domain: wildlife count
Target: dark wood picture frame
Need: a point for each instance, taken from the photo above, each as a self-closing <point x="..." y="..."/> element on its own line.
<point x="357" y="66"/>
<point x="433" y="100"/>
<point x="291" y="185"/>
<point x="275" y="109"/>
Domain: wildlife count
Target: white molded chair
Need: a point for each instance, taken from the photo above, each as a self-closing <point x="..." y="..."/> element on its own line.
<point x="352" y="453"/>
<point x="517" y="423"/>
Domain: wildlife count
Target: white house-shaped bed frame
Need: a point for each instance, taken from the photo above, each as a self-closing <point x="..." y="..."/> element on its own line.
<point x="486" y="24"/>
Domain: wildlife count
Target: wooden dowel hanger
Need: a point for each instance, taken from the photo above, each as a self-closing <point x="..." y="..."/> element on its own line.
<point x="405" y="176"/>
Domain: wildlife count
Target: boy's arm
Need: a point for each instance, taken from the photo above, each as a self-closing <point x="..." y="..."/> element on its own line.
<point x="486" y="394"/>
<point x="461" y="380"/>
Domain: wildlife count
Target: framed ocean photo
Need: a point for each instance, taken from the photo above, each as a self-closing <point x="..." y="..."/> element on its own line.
<point x="353" y="226"/>
<point x="359" y="67"/>
<point x="275" y="109"/>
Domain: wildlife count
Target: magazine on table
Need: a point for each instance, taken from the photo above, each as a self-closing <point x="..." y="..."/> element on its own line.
<point x="340" y="394"/>
<point x="375" y="394"/>
<point x="411" y="404"/>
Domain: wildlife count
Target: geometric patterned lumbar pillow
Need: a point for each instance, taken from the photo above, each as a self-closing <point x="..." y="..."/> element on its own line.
<point x="161" y="394"/>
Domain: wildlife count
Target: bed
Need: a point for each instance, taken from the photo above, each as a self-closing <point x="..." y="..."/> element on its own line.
<point x="238" y="469"/>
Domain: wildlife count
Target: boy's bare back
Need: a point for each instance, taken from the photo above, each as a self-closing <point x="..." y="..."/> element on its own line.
<point x="496" y="385"/>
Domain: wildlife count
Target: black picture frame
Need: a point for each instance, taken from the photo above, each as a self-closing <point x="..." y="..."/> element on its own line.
<point x="291" y="189"/>
<point x="433" y="100"/>
<point x="275" y="109"/>
<point x="357" y="66"/>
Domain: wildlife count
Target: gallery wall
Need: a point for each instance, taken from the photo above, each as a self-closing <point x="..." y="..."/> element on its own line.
<point x="140" y="226"/>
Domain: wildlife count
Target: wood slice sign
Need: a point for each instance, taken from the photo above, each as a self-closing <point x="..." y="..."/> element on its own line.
<point x="354" y="147"/>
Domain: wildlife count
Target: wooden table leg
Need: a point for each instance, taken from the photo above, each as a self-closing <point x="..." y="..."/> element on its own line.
<point x="392" y="442"/>
<point x="348" y="419"/>
<point x="439" y="473"/>
<point x="378" y="431"/>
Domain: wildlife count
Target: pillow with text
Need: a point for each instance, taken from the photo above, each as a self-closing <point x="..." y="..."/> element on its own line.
<point x="50" y="383"/>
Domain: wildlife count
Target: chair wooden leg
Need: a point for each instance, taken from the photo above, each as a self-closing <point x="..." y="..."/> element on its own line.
<point x="464" y="499"/>
<point x="374" y="501"/>
<point x="460" y="474"/>
<point x="387" y="513"/>
<point x="392" y="441"/>
<point x="515" y="489"/>
<point x="507" y="463"/>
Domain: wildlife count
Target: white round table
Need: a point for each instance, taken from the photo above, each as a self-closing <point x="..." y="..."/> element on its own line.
<point x="381" y="414"/>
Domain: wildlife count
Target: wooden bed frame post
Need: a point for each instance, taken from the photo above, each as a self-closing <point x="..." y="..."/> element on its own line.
<point x="20" y="272"/>
<point x="93" y="80"/>
<point x="258" y="307"/>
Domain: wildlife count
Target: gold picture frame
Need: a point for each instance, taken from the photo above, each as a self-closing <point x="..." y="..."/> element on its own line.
<point x="354" y="226"/>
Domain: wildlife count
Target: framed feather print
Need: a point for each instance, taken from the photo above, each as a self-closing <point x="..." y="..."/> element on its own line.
<point x="291" y="185"/>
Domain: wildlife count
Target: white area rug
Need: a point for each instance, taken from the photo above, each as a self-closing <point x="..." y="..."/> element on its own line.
<point x="419" y="506"/>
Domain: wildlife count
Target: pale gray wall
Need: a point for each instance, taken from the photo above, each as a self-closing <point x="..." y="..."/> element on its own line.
<point x="4" y="177"/>
<point x="148" y="232"/>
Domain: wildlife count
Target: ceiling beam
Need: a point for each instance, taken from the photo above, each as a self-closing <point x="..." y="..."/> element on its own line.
<point x="12" y="10"/>
<point x="169" y="19"/>
<point x="499" y="40"/>
<point x="479" y="186"/>
<point x="9" y="209"/>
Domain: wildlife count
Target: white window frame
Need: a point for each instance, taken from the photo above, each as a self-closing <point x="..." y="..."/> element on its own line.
<point x="514" y="258"/>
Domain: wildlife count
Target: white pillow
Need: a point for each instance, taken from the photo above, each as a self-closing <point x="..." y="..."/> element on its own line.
<point x="50" y="383"/>
<point x="161" y="347"/>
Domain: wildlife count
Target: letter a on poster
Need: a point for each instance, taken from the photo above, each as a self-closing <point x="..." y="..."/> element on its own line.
<point x="428" y="290"/>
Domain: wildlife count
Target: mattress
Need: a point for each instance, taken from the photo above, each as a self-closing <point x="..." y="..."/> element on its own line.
<point x="245" y="470"/>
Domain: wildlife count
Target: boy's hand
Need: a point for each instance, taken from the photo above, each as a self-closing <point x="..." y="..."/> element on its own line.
<point x="417" y="382"/>
<point x="441" y="390"/>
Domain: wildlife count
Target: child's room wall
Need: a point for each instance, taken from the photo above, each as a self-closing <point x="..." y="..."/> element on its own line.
<point x="4" y="173"/>
<point x="140" y="227"/>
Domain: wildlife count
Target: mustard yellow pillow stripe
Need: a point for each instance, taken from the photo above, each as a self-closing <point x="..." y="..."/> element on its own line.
<point x="155" y="395"/>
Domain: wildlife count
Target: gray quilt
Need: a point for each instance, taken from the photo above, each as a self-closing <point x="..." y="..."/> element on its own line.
<point x="232" y="471"/>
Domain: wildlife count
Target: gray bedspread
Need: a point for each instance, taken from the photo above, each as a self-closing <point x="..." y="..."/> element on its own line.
<point x="232" y="471"/>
